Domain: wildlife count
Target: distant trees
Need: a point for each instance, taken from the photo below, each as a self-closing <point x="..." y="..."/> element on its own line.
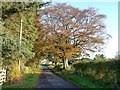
<point x="117" y="57"/>
<point x="68" y="32"/>
<point x="100" y="57"/>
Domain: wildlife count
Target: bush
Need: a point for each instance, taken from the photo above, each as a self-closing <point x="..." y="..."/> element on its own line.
<point x="27" y="69"/>
<point x="13" y="74"/>
<point x="107" y="72"/>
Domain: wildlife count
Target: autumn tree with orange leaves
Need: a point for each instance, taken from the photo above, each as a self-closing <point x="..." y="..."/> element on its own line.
<point x="67" y="32"/>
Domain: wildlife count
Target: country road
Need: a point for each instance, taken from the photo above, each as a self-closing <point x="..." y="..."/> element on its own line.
<point x="48" y="79"/>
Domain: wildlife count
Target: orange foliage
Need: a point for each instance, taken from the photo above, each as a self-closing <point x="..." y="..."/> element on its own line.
<point x="65" y="30"/>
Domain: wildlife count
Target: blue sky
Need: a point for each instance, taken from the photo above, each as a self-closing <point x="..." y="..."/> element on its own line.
<point x="110" y="9"/>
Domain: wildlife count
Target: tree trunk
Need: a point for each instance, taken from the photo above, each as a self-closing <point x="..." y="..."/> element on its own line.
<point x="19" y="65"/>
<point x="65" y="63"/>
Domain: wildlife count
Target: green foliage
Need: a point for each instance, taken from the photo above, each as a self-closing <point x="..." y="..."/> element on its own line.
<point x="28" y="81"/>
<point x="12" y="51"/>
<point x="9" y="8"/>
<point x="27" y="69"/>
<point x="100" y="57"/>
<point x="107" y="72"/>
<point x="12" y="13"/>
<point x="13" y="74"/>
<point x="10" y="46"/>
<point x="29" y="31"/>
<point x="34" y="62"/>
<point x="80" y="81"/>
<point x="85" y="60"/>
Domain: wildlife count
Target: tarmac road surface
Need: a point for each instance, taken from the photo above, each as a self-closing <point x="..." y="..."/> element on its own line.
<point x="48" y="79"/>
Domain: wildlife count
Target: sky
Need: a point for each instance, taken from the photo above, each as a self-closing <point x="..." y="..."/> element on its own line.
<point x="108" y="8"/>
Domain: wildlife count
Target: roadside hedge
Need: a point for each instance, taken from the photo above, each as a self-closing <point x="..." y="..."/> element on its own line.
<point x="105" y="71"/>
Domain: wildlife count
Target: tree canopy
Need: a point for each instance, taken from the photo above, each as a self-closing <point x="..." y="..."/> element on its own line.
<point x="12" y="14"/>
<point x="68" y="32"/>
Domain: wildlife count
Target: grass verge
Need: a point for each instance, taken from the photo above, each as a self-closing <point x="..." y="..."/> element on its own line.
<point x="82" y="81"/>
<point x="29" y="81"/>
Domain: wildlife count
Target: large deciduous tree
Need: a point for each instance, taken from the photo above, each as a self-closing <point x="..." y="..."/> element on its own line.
<point x="67" y="32"/>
